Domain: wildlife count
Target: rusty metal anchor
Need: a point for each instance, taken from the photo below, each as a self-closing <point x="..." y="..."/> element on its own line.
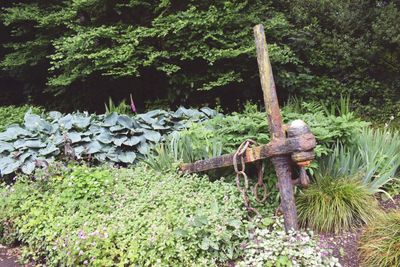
<point x="294" y="145"/>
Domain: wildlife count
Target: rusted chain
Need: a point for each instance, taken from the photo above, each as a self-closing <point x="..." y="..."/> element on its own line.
<point x="240" y="173"/>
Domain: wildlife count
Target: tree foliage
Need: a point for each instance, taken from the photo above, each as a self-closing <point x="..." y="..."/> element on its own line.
<point x="319" y="48"/>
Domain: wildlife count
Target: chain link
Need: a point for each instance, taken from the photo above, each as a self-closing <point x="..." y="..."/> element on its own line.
<point x="241" y="174"/>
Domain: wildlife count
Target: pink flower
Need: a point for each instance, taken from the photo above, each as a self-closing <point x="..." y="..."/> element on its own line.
<point x="133" y="107"/>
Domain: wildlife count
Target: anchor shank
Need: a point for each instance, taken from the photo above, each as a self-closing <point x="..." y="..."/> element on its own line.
<point x="281" y="163"/>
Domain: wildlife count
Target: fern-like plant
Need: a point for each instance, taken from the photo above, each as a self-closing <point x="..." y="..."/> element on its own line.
<point x="335" y="205"/>
<point x="380" y="243"/>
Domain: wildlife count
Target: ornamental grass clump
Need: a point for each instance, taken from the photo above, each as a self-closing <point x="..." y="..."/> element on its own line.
<point x="380" y="243"/>
<point x="335" y="205"/>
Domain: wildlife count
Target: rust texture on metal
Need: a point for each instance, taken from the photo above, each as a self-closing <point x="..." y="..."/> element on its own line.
<point x="276" y="147"/>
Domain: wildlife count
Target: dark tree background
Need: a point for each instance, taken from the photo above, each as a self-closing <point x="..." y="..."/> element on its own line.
<point x="70" y="55"/>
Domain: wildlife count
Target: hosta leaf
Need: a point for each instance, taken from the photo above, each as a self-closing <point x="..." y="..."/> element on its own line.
<point x="152" y="135"/>
<point x="86" y="139"/>
<point x="117" y="128"/>
<point x="105" y="137"/>
<point x="13" y="132"/>
<point x="119" y="140"/>
<point x="100" y="156"/>
<point x="24" y="156"/>
<point x="95" y="129"/>
<point x="55" y="115"/>
<point x="127" y="157"/>
<point x="79" y="151"/>
<point x="157" y="126"/>
<point x="143" y="148"/>
<point x="50" y="149"/>
<point x="57" y="139"/>
<point x="132" y="141"/>
<point x="8" y="165"/>
<point x="94" y="147"/>
<point x="66" y="122"/>
<point x="4" y="146"/>
<point x="111" y="119"/>
<point x="125" y="121"/>
<point x="208" y="111"/>
<point x="28" y="167"/>
<point x="146" y="118"/>
<point x="81" y="122"/>
<point x="29" y="143"/>
<point x="74" y="137"/>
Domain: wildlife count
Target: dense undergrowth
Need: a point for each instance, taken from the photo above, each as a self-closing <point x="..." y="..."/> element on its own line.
<point x="151" y="215"/>
<point x="117" y="217"/>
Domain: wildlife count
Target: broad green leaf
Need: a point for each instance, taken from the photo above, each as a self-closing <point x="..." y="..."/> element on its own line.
<point x="4" y="146"/>
<point x="127" y="157"/>
<point x="93" y="147"/>
<point x="110" y="120"/>
<point x="132" y="141"/>
<point x="152" y="135"/>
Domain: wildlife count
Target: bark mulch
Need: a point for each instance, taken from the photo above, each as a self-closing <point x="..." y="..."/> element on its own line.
<point x="344" y="246"/>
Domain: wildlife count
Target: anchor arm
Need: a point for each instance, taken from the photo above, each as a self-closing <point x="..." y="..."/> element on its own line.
<point x="277" y="147"/>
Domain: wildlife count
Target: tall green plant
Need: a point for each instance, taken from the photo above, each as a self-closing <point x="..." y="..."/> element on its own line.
<point x="181" y="148"/>
<point x="373" y="158"/>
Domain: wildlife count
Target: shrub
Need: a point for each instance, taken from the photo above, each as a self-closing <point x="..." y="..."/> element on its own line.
<point x="271" y="246"/>
<point x="15" y="115"/>
<point x="117" y="138"/>
<point x="109" y="217"/>
<point x="335" y="205"/>
<point x="234" y="128"/>
<point x="380" y="243"/>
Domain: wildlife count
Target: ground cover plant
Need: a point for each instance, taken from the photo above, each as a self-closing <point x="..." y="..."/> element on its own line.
<point x="380" y="243"/>
<point x="271" y="246"/>
<point x="104" y="217"/>
<point x="112" y="137"/>
<point x="15" y="115"/>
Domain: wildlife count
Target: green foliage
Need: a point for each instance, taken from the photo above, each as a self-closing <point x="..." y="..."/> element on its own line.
<point x="380" y="242"/>
<point x="335" y="205"/>
<point x="181" y="148"/>
<point x="373" y="158"/>
<point x="231" y="130"/>
<point x="116" y="138"/>
<point x="270" y="246"/>
<point x="15" y="115"/>
<point x="121" y="108"/>
<point x="319" y="49"/>
<point x="116" y="217"/>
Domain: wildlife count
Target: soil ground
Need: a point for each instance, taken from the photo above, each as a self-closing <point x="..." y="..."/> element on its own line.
<point x="344" y="245"/>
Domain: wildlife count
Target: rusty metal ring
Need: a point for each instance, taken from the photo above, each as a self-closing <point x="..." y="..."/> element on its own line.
<point x="245" y="178"/>
<point x="265" y="193"/>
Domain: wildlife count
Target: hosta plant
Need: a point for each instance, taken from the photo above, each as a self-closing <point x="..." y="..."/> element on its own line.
<point x="117" y="138"/>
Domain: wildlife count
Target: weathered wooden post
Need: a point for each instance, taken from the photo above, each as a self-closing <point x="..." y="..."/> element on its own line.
<point x="296" y="145"/>
<point x="281" y="163"/>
